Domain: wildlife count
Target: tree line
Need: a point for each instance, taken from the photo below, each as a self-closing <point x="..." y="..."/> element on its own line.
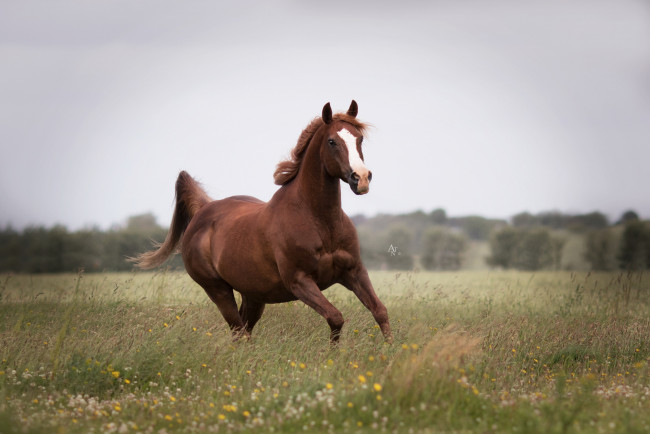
<point x="418" y="240"/>
<point x="55" y="250"/>
<point x="434" y="241"/>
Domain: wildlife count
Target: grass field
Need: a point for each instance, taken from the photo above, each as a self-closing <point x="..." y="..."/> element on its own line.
<point x="473" y="352"/>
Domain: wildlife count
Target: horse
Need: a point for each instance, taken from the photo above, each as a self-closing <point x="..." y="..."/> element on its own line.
<point x="292" y="247"/>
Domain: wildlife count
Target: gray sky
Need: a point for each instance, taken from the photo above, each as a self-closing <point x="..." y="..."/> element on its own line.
<point x="479" y="107"/>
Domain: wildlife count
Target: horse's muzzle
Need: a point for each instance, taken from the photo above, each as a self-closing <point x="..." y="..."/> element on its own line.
<point x="360" y="184"/>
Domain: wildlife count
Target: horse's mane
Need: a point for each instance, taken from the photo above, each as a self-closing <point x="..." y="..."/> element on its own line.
<point x="288" y="169"/>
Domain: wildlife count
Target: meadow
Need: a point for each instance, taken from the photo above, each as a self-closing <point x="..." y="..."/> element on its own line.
<point x="484" y="351"/>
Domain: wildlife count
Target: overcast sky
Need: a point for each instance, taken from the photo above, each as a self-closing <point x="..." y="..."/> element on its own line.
<point x="478" y="107"/>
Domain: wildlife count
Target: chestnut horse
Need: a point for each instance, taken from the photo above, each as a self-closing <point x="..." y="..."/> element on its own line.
<point x="290" y="248"/>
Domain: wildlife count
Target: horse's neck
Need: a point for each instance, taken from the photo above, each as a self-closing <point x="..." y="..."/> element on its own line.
<point x="318" y="190"/>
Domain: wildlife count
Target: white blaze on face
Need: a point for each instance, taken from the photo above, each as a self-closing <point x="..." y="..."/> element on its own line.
<point x="356" y="163"/>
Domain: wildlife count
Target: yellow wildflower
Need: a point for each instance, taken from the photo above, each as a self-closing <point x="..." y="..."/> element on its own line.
<point x="377" y="387"/>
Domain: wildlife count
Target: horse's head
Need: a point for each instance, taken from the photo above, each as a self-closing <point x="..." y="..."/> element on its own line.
<point x="340" y="149"/>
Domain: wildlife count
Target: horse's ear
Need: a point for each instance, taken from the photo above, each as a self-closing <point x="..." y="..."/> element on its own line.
<point x="354" y="109"/>
<point x="327" y="113"/>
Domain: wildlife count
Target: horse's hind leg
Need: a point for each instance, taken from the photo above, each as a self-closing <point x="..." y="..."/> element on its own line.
<point x="250" y="312"/>
<point x="222" y="295"/>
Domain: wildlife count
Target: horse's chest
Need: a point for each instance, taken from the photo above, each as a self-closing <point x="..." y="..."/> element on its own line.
<point x="331" y="265"/>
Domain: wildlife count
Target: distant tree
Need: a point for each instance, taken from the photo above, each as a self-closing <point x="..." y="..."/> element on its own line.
<point x="42" y="249"/>
<point x="438" y="216"/>
<point x="142" y="223"/>
<point x="10" y="250"/>
<point x="443" y="249"/>
<point x="600" y="250"/>
<point x="534" y="250"/>
<point x="552" y="219"/>
<point x="635" y="243"/>
<point x="85" y="249"/>
<point x="475" y="227"/>
<point x="594" y="220"/>
<point x="525" y="249"/>
<point x="524" y="219"/>
<point x="503" y="245"/>
<point x="557" y="247"/>
<point x="628" y="217"/>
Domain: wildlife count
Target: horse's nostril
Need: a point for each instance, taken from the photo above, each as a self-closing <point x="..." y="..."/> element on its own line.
<point x="369" y="176"/>
<point x="355" y="177"/>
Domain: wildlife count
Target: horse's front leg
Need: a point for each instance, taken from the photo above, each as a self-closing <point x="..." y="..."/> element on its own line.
<point x="358" y="282"/>
<point x="306" y="290"/>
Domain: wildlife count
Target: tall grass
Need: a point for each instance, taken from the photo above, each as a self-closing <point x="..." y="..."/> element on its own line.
<point x="473" y="352"/>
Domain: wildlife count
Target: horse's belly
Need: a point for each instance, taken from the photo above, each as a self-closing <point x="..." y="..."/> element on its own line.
<point x="273" y="295"/>
<point x="251" y="278"/>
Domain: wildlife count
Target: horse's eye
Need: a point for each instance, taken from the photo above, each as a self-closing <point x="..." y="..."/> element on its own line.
<point x="331" y="142"/>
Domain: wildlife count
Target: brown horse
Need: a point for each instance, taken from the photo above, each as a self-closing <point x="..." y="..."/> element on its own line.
<point x="290" y="248"/>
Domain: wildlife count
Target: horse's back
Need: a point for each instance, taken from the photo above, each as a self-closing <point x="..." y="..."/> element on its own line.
<point x="226" y="212"/>
<point x="249" y="199"/>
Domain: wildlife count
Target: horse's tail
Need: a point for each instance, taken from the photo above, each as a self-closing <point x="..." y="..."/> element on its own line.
<point x="190" y="197"/>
